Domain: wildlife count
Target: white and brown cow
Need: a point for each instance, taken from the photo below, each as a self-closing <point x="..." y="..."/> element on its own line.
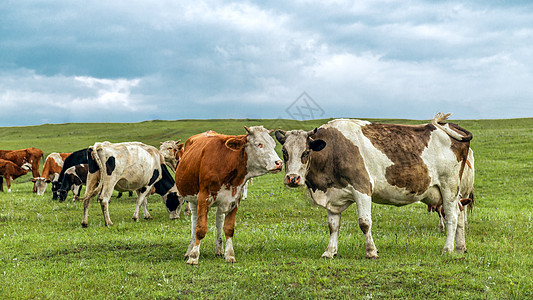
<point x="212" y="172"/>
<point x="10" y="171"/>
<point x="50" y="173"/>
<point x="347" y="161"/>
<point x="466" y="190"/>
<point x="131" y="166"/>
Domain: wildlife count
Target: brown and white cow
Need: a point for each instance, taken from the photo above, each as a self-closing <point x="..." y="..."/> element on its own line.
<point x="212" y="172"/>
<point x="466" y="190"/>
<point x="22" y="156"/>
<point x="50" y="173"/>
<point x="10" y="171"/>
<point x="347" y="161"/>
<point x="131" y="166"/>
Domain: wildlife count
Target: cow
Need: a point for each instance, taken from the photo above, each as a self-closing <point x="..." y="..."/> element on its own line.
<point x="75" y="177"/>
<point x="466" y="190"/>
<point x="130" y="166"/>
<point x="21" y="156"/>
<point x="212" y="172"/>
<point x="76" y="158"/>
<point x="50" y="173"/>
<point x="10" y="171"/>
<point x="347" y="161"/>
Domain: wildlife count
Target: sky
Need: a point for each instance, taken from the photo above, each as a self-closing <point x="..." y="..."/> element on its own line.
<point x="129" y="61"/>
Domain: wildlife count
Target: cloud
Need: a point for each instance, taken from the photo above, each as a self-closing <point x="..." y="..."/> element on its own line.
<point x="135" y="60"/>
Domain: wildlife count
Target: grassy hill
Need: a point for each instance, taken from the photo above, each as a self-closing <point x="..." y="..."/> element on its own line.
<point x="279" y="235"/>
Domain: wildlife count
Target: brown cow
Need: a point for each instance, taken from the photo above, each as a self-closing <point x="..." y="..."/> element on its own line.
<point x="10" y="171"/>
<point x="21" y="156"/>
<point x="212" y="172"/>
<point x="51" y="169"/>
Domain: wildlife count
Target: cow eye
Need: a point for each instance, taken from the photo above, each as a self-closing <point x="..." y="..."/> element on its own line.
<point x="260" y="145"/>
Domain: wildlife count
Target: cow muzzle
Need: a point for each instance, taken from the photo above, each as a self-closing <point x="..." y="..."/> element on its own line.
<point x="278" y="166"/>
<point x="293" y="180"/>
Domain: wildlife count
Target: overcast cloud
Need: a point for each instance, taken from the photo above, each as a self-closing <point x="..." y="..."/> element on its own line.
<point x="130" y="61"/>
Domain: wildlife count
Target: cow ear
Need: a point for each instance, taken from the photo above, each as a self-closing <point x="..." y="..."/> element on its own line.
<point x="235" y="144"/>
<point x="317" y="145"/>
<point x="280" y="136"/>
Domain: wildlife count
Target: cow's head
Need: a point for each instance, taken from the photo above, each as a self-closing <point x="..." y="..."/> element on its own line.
<point x="40" y="184"/>
<point x="171" y="151"/>
<point x="297" y="146"/>
<point x="259" y="147"/>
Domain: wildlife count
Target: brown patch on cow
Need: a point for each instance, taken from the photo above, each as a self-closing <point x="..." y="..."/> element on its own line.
<point x="338" y="165"/>
<point x="403" y="145"/>
<point x="207" y="159"/>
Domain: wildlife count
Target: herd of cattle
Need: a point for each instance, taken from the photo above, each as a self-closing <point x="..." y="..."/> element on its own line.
<point x="342" y="162"/>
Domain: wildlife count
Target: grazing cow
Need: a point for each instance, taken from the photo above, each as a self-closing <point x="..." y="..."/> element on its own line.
<point x="129" y="166"/>
<point x="51" y="169"/>
<point x="172" y="152"/>
<point x="19" y="157"/>
<point x="212" y="172"/>
<point x="76" y="158"/>
<point x="466" y="190"/>
<point x="347" y="161"/>
<point x="75" y="177"/>
<point x="10" y="171"/>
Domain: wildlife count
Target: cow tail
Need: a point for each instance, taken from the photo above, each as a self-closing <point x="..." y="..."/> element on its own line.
<point x="98" y="189"/>
<point x="439" y="121"/>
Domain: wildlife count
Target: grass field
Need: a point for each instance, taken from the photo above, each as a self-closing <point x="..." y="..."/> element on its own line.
<point x="279" y="235"/>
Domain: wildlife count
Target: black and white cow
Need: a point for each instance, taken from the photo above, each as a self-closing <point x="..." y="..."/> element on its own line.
<point x="73" y="179"/>
<point x="131" y="166"/>
<point x="76" y="158"/>
<point x="354" y="161"/>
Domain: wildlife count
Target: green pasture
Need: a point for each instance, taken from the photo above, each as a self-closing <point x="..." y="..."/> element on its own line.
<point x="279" y="234"/>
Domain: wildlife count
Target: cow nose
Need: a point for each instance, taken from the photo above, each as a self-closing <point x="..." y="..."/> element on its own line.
<point x="292" y="180"/>
<point x="279" y="165"/>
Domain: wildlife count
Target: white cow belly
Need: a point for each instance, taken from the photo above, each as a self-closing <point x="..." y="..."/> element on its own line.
<point x="226" y="199"/>
<point x="334" y="199"/>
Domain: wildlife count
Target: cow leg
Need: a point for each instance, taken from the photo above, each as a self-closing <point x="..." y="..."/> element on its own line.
<point x="187" y="210"/>
<point x="76" y="190"/>
<point x="85" y="219"/>
<point x="219" y="222"/>
<point x="201" y="226"/>
<point x="141" y="200"/>
<point x="245" y="191"/>
<point x="364" y="206"/>
<point x="441" y="219"/>
<point x="334" y="223"/>
<point x="1" y="184"/>
<point x="229" y="228"/>
<point x="460" y="242"/>
<point x="451" y="210"/>
<point x="194" y="214"/>
<point x="104" y="197"/>
<point x="8" y="183"/>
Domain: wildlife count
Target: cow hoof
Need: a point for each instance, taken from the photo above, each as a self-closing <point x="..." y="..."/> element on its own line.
<point x="135" y="219"/>
<point x="192" y="261"/>
<point x="84" y="225"/>
<point x="460" y="250"/>
<point x="230" y="259"/>
<point x="328" y="255"/>
<point x="372" y="256"/>
<point x="148" y="218"/>
<point x="109" y="224"/>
